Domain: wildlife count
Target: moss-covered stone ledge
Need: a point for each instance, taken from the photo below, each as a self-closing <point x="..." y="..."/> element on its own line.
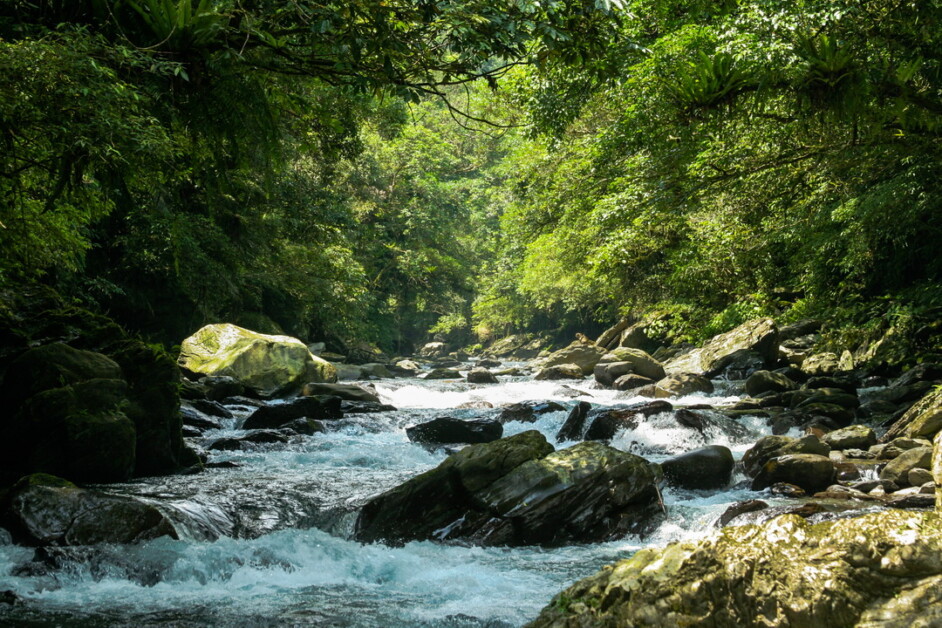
<point x="883" y="569"/>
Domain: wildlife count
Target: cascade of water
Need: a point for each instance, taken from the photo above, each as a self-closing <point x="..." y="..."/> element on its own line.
<point x="267" y="542"/>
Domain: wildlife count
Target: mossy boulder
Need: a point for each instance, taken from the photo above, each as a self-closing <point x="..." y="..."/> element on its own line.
<point x="518" y="491"/>
<point x="768" y="381"/>
<point x="811" y="472"/>
<point x="77" y="389"/>
<point x="47" y="510"/>
<point x="635" y="361"/>
<point x="585" y="355"/>
<point x="851" y="437"/>
<point x="769" y="447"/>
<point x="882" y="569"/>
<point x="759" y="337"/>
<point x="266" y="365"/>
<point x="923" y="420"/>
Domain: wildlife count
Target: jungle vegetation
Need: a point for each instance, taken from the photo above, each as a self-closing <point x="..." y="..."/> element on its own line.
<point x="386" y="171"/>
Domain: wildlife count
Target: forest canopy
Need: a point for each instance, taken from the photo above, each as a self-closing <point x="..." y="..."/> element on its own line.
<point x="386" y="171"/>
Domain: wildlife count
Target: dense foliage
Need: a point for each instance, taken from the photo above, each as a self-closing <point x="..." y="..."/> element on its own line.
<point x="746" y="158"/>
<point x="387" y="171"/>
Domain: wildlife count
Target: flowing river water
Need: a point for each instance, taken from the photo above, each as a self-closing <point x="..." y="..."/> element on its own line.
<point x="267" y="542"/>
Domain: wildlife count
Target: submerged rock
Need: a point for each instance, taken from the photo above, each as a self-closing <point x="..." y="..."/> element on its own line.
<point x="881" y="569"/>
<point x="46" y="510"/>
<point x="518" y="491"/>
<point x="447" y="430"/>
<point x="268" y="365"/>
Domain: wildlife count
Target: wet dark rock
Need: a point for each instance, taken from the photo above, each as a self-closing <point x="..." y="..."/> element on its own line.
<point x="739" y="508"/>
<point x="834" y="396"/>
<point x="244" y="402"/>
<point x="212" y="408"/>
<point x="705" y="468"/>
<point x="768" y="381"/>
<point x="874" y="381"/>
<point x="518" y="491"/>
<point x="219" y="387"/>
<point x="527" y="411"/>
<point x="840" y="415"/>
<point x="248" y="440"/>
<point x="812" y="472"/>
<point x="606" y="423"/>
<point x="191" y="390"/>
<point x="574" y="427"/>
<point x="448" y="430"/>
<point x="364" y="407"/>
<point x="222" y="464"/>
<point x="914" y="501"/>
<point x="277" y="414"/>
<point x="305" y="426"/>
<point x="784" y="489"/>
<point x="480" y="375"/>
<point x="876" y="408"/>
<point x="844" y="384"/>
<point x="488" y="363"/>
<point x="347" y="392"/>
<point x="46" y="510"/>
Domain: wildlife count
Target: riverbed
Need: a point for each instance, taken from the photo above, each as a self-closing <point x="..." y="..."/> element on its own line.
<point x="266" y="541"/>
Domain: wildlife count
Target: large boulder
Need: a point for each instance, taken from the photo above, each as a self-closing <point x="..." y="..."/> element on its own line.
<point x="348" y="392"/>
<point x="629" y="361"/>
<point x="434" y="350"/>
<point x="516" y="347"/>
<point x="705" y="468"/>
<point x="559" y="371"/>
<point x="851" y="437"/>
<point x="882" y="569"/>
<point x="768" y="381"/>
<point x="267" y="365"/>
<point x="608" y="422"/>
<point x="769" y="447"/>
<point x="46" y="510"/>
<point x="67" y="416"/>
<point x="897" y="470"/>
<point x="759" y="336"/>
<point x="34" y="317"/>
<point x="583" y="354"/>
<point x="480" y="375"/>
<point x="923" y="420"/>
<point x="277" y="414"/>
<point x="518" y="491"/>
<point x="448" y="430"/>
<point x="681" y="385"/>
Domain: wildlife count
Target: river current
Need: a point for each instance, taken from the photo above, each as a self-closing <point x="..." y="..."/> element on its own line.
<point x="266" y="542"/>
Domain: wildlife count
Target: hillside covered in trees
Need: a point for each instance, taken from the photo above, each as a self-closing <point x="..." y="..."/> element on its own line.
<point x="388" y="171"/>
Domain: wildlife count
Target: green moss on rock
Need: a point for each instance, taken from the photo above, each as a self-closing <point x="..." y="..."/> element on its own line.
<point x="879" y="569"/>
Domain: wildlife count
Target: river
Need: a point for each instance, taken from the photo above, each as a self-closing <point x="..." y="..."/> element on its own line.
<point x="266" y="542"/>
